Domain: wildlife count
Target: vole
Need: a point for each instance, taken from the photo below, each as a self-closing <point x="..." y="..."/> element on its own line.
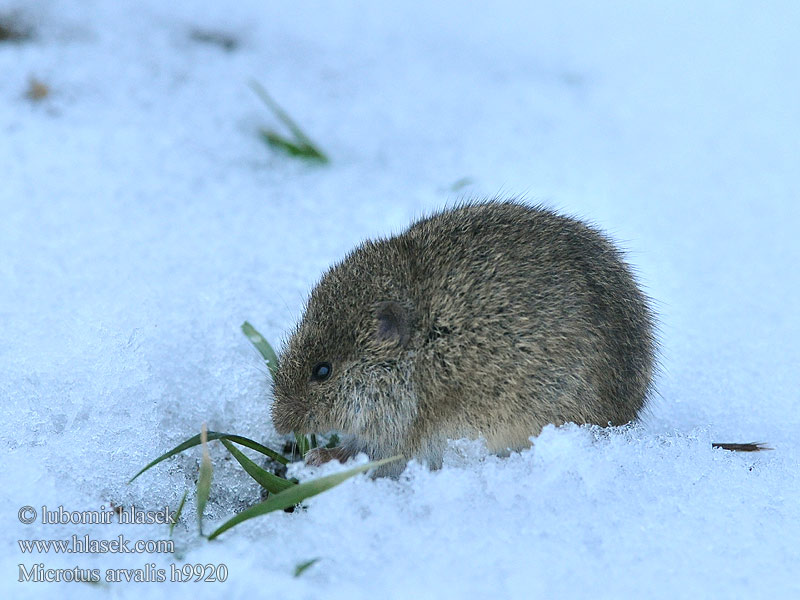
<point x="491" y="319"/>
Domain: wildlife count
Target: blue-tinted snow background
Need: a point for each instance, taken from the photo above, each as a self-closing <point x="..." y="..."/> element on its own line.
<point x="142" y="221"/>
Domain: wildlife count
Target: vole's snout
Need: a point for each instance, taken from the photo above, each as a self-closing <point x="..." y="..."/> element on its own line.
<point x="291" y="404"/>
<point x="281" y="424"/>
<point x="289" y="414"/>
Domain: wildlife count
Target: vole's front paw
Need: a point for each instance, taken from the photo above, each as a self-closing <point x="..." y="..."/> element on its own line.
<point x="318" y="456"/>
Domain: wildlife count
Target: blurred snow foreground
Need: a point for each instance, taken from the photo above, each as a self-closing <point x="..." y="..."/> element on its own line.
<point x="143" y="220"/>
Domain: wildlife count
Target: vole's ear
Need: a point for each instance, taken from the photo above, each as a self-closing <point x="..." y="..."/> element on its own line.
<point x="392" y="323"/>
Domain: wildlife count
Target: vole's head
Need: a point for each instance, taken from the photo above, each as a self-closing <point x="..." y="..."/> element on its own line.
<point x="347" y="367"/>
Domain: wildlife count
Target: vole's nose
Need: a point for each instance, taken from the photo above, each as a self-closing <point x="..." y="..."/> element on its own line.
<point x="281" y="418"/>
<point x="281" y="427"/>
<point x="289" y="414"/>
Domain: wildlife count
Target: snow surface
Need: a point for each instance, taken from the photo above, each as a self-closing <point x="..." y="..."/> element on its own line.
<point x="143" y="221"/>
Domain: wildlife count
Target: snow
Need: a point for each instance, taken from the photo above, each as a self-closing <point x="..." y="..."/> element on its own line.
<point x="143" y="221"/>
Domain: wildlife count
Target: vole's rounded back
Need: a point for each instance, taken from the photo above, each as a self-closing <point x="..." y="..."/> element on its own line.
<point x="489" y="320"/>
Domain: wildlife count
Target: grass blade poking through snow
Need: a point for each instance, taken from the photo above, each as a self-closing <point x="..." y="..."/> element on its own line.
<point x="301" y="146"/>
<point x="296" y="494"/>
<point x="213" y="435"/>
<point x="178" y="512"/>
<point x="272" y="483"/>
<point x="262" y="346"/>
<point x="204" y="480"/>
<point x="300" y="568"/>
<point x="302" y="444"/>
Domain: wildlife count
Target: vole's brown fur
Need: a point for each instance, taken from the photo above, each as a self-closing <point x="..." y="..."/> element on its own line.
<point x="489" y="320"/>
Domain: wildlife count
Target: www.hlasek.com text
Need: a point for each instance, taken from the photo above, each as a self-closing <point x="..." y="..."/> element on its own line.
<point x="88" y="545"/>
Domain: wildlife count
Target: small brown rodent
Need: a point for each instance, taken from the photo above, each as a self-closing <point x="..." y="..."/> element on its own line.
<point x="489" y="320"/>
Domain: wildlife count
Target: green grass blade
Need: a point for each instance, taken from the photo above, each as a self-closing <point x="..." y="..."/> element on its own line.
<point x="302" y="444"/>
<point x="281" y="114"/>
<point x="213" y="435"/>
<point x="300" y="150"/>
<point x="203" y="481"/>
<point x="178" y="512"/>
<point x="262" y="346"/>
<point x="305" y="145"/>
<point x="300" y="568"/>
<point x="277" y="141"/>
<point x="296" y="494"/>
<point x="265" y="479"/>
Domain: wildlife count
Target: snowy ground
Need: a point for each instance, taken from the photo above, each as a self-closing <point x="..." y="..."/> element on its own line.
<point x="143" y="221"/>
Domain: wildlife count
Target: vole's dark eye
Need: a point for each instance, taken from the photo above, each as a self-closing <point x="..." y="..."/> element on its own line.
<point x="321" y="371"/>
